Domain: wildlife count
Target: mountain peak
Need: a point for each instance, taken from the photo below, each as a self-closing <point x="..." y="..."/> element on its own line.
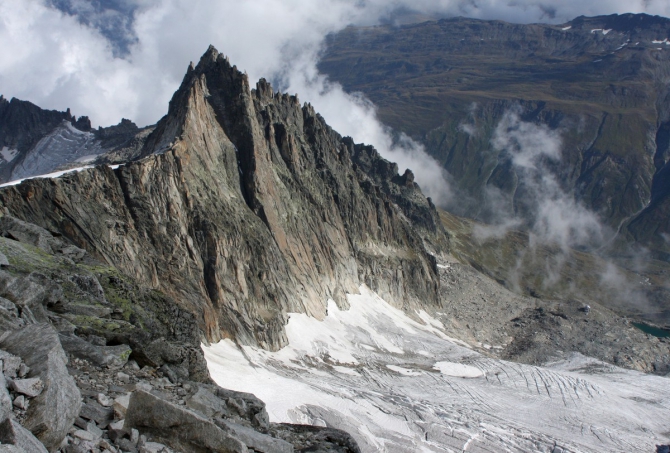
<point x="268" y="210"/>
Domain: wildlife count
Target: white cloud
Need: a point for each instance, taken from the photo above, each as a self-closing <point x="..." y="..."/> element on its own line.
<point x="57" y="62"/>
<point x="556" y="218"/>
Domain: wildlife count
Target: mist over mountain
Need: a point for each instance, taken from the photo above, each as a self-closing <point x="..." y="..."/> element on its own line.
<point x="558" y="130"/>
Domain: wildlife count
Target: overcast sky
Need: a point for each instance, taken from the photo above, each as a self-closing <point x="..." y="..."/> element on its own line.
<point x="125" y="58"/>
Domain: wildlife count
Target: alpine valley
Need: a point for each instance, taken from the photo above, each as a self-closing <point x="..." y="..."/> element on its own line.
<point x="241" y="278"/>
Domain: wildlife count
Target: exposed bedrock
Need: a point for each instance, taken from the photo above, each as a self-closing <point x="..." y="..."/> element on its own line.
<point x="246" y="207"/>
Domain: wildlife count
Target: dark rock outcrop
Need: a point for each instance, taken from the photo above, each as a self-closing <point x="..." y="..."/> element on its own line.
<point x="34" y="141"/>
<point x="180" y="428"/>
<point x="247" y="206"/>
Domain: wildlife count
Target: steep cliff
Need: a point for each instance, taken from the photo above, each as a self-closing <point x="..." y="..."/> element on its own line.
<point x="246" y="206"/>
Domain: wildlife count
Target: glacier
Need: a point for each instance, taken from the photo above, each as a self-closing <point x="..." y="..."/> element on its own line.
<point x="398" y="383"/>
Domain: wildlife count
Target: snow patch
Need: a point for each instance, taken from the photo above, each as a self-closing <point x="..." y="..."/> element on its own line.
<point x="345" y="370"/>
<point x="566" y="28"/>
<point x="8" y="154"/>
<point x="604" y="32"/>
<point x="60" y="148"/>
<point x="56" y="174"/>
<point x="665" y="41"/>
<point x="86" y="159"/>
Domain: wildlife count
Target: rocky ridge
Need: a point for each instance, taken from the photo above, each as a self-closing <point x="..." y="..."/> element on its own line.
<point x="247" y="206"/>
<point x="241" y="206"/>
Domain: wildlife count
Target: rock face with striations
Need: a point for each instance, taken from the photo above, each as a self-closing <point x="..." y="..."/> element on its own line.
<point x="246" y="206"/>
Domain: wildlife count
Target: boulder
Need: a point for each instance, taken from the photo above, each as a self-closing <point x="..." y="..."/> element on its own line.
<point x="5" y="399"/>
<point x="11" y="432"/>
<point x="28" y="233"/>
<point x="120" y="406"/>
<point x="315" y="439"/>
<point x="90" y="285"/>
<point x="178" y="427"/>
<point x="207" y="403"/>
<point x="20" y="402"/>
<point x="10" y="364"/>
<point x="246" y="405"/>
<point x="254" y="439"/>
<point x="32" y="291"/>
<point x="103" y="400"/>
<point x="152" y="447"/>
<point x="9" y="315"/>
<point x="96" y="412"/>
<point x="30" y="387"/>
<point x="52" y="413"/>
<point x="108" y="356"/>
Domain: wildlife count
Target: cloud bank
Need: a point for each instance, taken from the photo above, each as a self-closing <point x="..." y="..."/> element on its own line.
<point x="125" y="58"/>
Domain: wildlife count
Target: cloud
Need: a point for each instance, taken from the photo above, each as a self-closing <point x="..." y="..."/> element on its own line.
<point x="551" y="214"/>
<point x="557" y="224"/>
<point x="125" y="58"/>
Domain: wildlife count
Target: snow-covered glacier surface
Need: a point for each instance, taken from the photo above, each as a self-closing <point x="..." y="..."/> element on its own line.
<point x="402" y="385"/>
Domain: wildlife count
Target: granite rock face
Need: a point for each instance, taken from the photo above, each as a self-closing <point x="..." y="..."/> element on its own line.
<point x="247" y="206"/>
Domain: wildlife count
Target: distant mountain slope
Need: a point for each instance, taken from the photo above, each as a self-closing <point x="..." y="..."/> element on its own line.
<point x="34" y="141"/>
<point x="600" y="85"/>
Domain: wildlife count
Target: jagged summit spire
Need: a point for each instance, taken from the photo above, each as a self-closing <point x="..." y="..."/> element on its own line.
<point x="211" y="56"/>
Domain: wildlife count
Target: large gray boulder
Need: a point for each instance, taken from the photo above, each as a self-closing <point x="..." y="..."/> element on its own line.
<point x="5" y="399"/>
<point x="29" y="293"/>
<point x="178" y="427"/>
<point x="108" y="356"/>
<point x="255" y="440"/>
<point x="11" y="432"/>
<point x="52" y="413"/>
<point x="207" y="403"/>
<point x="28" y="233"/>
